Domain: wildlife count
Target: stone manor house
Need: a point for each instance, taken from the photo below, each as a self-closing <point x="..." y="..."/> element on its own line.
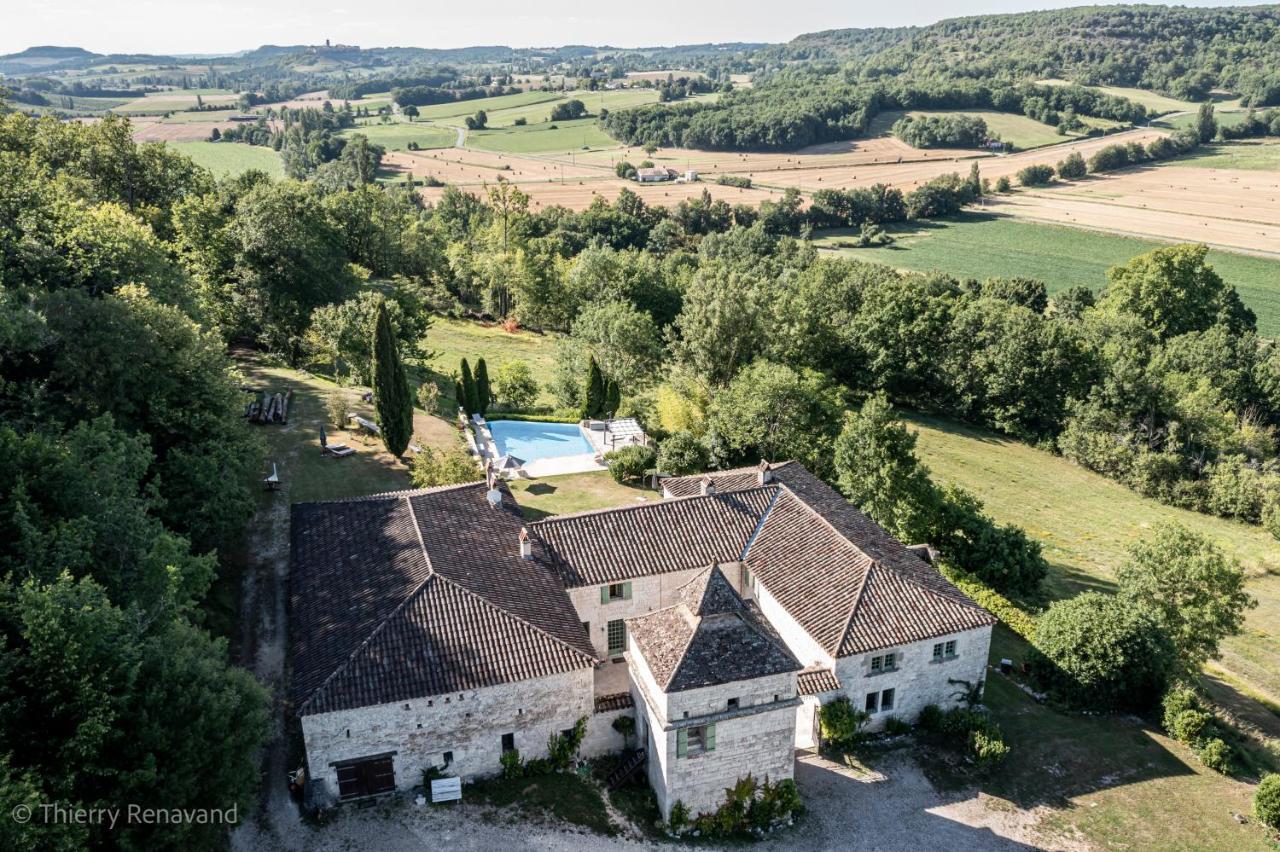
<point x="438" y="627"/>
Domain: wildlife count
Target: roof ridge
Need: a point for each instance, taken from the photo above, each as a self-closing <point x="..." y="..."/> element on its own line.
<point x="853" y="610"/>
<point x="667" y="501"/>
<point x="746" y="468"/>
<point x="768" y="510"/>
<point x="388" y="495"/>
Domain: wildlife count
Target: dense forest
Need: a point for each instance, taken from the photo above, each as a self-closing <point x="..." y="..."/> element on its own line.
<point x="990" y="62"/>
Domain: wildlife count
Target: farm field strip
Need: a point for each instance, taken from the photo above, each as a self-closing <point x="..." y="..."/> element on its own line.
<point x="1018" y="130"/>
<point x="579" y="195"/>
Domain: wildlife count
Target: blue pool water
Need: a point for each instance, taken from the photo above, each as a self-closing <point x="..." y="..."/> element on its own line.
<point x="533" y="441"/>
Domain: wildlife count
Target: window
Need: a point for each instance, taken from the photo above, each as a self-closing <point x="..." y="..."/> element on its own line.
<point x="886" y="699"/>
<point x="615" y="592"/>
<point x="873" y="702"/>
<point x="691" y="741"/>
<point x="448" y="758"/>
<point x="586" y="628"/>
<point x="944" y="650"/>
<point x="733" y="704"/>
<point x="617" y="636"/>
<point x="508" y="743"/>
<point x="951" y="648"/>
<point x="884" y="663"/>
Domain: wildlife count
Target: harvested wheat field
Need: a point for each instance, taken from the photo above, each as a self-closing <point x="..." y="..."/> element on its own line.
<point x="1236" y="210"/>
<point x="153" y="129"/>
<point x="832" y="154"/>
<point x="461" y="167"/>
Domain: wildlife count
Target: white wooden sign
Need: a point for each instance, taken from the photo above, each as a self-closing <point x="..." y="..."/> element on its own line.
<point x="446" y="790"/>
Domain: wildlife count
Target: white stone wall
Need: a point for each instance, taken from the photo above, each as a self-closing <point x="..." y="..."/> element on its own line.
<point x="796" y="638"/>
<point x="757" y="737"/>
<point x="469" y="724"/>
<point x="917" y="680"/>
<point x="601" y="738"/>
<point x="654" y="592"/>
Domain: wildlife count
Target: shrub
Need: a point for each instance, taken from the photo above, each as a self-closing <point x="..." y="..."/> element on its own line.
<point x="1099" y="652"/>
<point x="681" y="455"/>
<point x="335" y="405"/>
<point x="679" y="818"/>
<point x="1039" y="174"/>
<point x="1073" y="167"/>
<point x="1266" y="802"/>
<point x="511" y="764"/>
<point x="1189" y="726"/>
<point x="622" y="169"/>
<point x="520" y="122"/>
<point x="931" y="718"/>
<point x="625" y="725"/>
<point x="734" y="180"/>
<point x="1002" y="184"/>
<point x="840" y="723"/>
<point x="987" y="748"/>
<point x="1177" y="700"/>
<point x="429" y="397"/>
<point x="630" y="463"/>
<point x="895" y="726"/>
<point x="1216" y="755"/>
<point x="433" y="467"/>
<point x="516" y="385"/>
<point x="562" y="749"/>
<point x="538" y="766"/>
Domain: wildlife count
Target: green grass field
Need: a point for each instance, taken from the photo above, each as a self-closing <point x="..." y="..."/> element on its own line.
<point x="982" y="246"/>
<point x="1154" y="101"/>
<point x="397" y="135"/>
<point x="1086" y="522"/>
<point x="1017" y="130"/>
<point x="231" y="158"/>
<point x="542" y="138"/>
<point x="1225" y="118"/>
<point x="1250" y="155"/>
<point x="457" y="109"/>
<point x="454" y="340"/>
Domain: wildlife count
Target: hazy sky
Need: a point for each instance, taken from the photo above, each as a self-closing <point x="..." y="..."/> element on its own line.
<point x="222" y="26"/>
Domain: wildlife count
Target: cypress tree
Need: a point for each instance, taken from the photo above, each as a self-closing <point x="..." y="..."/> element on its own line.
<point x="460" y="395"/>
<point x="391" y="388"/>
<point x="593" y="397"/>
<point x="612" y="398"/>
<point x="468" y="401"/>
<point x="483" y="394"/>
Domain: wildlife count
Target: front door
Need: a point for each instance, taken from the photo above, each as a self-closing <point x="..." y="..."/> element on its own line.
<point x="366" y="777"/>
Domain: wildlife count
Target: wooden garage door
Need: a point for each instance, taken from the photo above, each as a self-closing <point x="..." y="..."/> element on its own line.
<point x="366" y="777"/>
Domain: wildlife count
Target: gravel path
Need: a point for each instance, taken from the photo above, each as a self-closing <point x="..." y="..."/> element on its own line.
<point x="892" y="809"/>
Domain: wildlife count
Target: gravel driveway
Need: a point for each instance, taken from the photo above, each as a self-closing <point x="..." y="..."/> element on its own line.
<point x="895" y="808"/>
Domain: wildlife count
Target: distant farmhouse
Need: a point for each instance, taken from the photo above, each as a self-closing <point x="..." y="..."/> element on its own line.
<point x="438" y="628"/>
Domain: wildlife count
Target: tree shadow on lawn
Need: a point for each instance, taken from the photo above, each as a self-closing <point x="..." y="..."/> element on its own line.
<point x="1057" y="756"/>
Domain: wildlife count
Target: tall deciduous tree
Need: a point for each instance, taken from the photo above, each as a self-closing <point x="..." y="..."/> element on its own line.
<point x="1195" y="590"/>
<point x="391" y="388"/>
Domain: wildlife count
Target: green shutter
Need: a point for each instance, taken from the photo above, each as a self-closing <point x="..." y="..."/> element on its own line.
<point x="682" y="742"/>
<point x="604" y="594"/>
<point x="710" y="737"/>
<point x="626" y="591"/>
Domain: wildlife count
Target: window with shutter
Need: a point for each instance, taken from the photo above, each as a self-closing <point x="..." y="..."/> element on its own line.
<point x="709" y="739"/>
<point x="682" y="742"/>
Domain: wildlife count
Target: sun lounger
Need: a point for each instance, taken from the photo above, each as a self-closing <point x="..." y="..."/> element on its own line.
<point x="339" y="450"/>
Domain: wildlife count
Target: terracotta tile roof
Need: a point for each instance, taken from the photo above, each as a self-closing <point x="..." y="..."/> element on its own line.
<point x="611" y="545"/>
<point x="617" y="701"/>
<point x="815" y="681"/>
<point x="738" y="479"/>
<point x="712" y="636"/>
<point x="849" y="583"/>
<point x="416" y="593"/>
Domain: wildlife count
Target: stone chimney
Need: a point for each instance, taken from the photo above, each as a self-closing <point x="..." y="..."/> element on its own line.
<point x="526" y="545"/>
<point x="764" y="473"/>
<point x="706" y="486"/>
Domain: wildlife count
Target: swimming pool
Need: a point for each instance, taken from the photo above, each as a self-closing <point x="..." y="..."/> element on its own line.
<point x="534" y="441"/>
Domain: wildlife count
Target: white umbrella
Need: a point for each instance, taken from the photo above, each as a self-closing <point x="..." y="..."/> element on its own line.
<point x="509" y="463"/>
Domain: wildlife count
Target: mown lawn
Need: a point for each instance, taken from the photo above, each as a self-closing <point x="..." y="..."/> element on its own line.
<point x="1087" y="521"/>
<point x="976" y="245"/>
<point x="1116" y="781"/>
<point x="231" y="158"/>
<point x="576" y="492"/>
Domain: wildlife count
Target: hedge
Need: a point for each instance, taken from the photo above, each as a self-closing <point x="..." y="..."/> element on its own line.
<point x="1013" y="616"/>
